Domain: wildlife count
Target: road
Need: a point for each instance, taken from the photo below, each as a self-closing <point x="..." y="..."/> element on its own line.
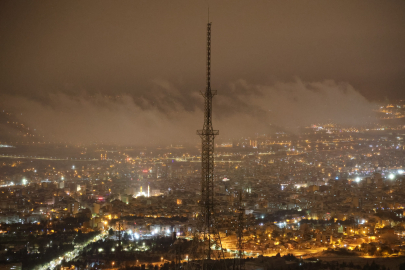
<point x="72" y="254"/>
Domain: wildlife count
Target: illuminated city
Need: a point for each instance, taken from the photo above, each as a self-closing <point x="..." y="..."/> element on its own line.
<point x="101" y="168"/>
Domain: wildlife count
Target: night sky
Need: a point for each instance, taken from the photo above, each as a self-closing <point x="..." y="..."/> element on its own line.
<point x="130" y="71"/>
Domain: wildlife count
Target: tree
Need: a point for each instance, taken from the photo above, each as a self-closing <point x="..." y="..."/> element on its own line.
<point x="275" y="234"/>
<point x="374" y="266"/>
<point x="110" y="232"/>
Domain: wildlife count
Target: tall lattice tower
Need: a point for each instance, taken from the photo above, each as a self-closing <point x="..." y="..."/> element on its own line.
<point x="207" y="134"/>
<point x="240" y="224"/>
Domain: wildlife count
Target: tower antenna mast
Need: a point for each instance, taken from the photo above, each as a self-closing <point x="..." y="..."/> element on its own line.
<point x="207" y="134"/>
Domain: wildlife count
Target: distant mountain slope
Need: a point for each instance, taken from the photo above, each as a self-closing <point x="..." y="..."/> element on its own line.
<point x="13" y="130"/>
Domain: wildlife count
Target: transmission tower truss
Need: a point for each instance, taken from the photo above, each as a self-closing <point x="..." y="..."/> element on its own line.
<point x="240" y="242"/>
<point x="208" y="228"/>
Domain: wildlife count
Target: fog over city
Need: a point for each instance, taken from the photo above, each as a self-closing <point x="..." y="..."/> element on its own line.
<point x="167" y="113"/>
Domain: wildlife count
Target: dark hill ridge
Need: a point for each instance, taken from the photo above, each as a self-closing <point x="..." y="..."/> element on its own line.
<point x="13" y="130"/>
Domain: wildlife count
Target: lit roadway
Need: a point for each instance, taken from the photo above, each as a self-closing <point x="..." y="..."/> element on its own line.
<point x="71" y="254"/>
<point x="79" y="248"/>
<point x="45" y="158"/>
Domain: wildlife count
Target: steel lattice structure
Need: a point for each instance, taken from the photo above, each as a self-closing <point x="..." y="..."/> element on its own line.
<point x="240" y="244"/>
<point x="207" y="135"/>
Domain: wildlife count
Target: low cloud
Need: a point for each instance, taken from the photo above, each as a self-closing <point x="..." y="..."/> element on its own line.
<point x="298" y="103"/>
<point x="166" y="113"/>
